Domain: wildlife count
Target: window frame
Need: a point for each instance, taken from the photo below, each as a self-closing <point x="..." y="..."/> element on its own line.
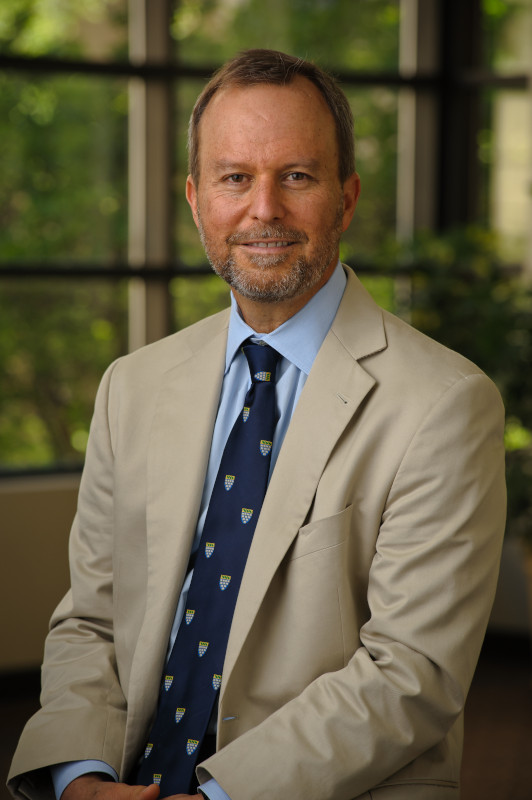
<point x="439" y="81"/>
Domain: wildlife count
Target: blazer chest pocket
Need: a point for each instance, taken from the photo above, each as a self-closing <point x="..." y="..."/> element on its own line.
<point x="322" y="534"/>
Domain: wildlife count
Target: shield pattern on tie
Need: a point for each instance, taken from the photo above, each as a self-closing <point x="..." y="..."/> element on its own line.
<point x="148" y="749"/>
<point x="209" y="549"/>
<point x="216" y="681"/>
<point x="228" y="482"/>
<point x="168" y="681"/>
<point x="191" y="745"/>
<point x="179" y="714"/>
<point x="246" y="515"/>
<point x="265" y="447"/>
<point x="202" y="648"/>
<point x="245" y="413"/>
<point x="224" y="582"/>
<point x="189" y="615"/>
<point x="157" y="777"/>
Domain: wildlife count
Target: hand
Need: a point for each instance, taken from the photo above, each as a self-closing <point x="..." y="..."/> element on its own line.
<point x="95" y="787"/>
<point x="184" y="796"/>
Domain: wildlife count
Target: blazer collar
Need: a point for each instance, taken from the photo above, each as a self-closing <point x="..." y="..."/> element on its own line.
<point x="178" y="453"/>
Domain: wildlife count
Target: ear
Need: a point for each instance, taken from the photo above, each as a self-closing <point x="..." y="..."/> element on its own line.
<point x="351" y="192"/>
<point x="192" y="198"/>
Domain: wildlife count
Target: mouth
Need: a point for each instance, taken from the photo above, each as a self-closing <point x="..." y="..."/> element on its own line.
<point x="271" y="240"/>
<point x="268" y="245"/>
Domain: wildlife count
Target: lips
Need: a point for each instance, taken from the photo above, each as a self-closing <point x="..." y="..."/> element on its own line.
<point x="267" y="238"/>
<point x="267" y="245"/>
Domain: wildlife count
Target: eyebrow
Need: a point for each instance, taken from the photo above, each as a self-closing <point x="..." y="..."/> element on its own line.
<point x="237" y="166"/>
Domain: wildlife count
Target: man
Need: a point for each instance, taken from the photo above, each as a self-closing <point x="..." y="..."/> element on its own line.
<point x="372" y="569"/>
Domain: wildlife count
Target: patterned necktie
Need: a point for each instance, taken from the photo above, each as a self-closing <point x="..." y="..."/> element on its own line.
<point x="194" y="670"/>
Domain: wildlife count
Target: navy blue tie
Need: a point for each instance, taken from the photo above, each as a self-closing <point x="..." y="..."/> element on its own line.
<point x="193" y="676"/>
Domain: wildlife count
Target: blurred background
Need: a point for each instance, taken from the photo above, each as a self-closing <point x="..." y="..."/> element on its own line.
<point x="99" y="255"/>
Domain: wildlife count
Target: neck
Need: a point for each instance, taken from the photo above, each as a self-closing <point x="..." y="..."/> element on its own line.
<point x="266" y="317"/>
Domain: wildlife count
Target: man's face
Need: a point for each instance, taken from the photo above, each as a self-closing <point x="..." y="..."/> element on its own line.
<point x="269" y="204"/>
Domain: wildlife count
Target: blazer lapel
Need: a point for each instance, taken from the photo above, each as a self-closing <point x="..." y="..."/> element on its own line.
<point x="335" y="389"/>
<point x="178" y="454"/>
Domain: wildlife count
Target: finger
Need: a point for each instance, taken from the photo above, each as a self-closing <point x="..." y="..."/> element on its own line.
<point x="185" y="797"/>
<point x="150" y="792"/>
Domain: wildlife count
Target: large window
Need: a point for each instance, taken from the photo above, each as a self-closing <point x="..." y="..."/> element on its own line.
<point x="504" y="141"/>
<point x="63" y="211"/>
<point x="98" y="251"/>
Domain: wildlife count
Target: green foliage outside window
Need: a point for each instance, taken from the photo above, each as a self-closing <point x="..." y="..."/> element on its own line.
<point x="462" y="296"/>
<point x="56" y="339"/>
<point x="63" y="163"/>
<point x="83" y="29"/>
<point x="339" y="34"/>
<point x="62" y="201"/>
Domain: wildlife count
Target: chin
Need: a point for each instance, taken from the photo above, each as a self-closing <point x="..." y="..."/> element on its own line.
<point x="267" y="288"/>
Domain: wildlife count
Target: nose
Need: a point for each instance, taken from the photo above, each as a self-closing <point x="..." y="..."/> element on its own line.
<point x="266" y="201"/>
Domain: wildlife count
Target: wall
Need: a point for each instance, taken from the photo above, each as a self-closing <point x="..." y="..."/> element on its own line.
<point x="35" y="519"/>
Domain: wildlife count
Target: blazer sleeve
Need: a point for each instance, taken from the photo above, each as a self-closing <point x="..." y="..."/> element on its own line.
<point x="430" y="591"/>
<point x="83" y="708"/>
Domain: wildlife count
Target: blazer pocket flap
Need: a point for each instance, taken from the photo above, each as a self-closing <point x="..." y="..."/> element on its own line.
<point x="322" y="534"/>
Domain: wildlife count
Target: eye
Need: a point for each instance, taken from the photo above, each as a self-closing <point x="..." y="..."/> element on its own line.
<point x="237" y="177"/>
<point x="296" y="176"/>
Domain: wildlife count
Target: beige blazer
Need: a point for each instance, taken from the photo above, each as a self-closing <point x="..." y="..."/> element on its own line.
<point x="367" y="589"/>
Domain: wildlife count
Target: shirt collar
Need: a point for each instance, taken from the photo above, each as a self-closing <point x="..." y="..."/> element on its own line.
<point x="300" y="337"/>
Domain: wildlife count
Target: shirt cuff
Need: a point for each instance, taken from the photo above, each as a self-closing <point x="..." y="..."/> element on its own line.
<point x="65" y="773"/>
<point x="213" y="791"/>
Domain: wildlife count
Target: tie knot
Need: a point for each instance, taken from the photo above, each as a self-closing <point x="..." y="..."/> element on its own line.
<point x="262" y="361"/>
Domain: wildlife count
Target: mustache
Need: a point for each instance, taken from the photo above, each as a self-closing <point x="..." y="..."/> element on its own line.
<point x="267" y="232"/>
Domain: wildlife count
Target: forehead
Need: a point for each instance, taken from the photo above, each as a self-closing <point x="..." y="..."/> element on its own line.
<point x="267" y="120"/>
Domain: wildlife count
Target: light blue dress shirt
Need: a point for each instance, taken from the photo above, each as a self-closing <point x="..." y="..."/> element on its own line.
<point x="298" y="341"/>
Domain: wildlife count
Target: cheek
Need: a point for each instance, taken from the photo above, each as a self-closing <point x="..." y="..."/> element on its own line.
<point x="219" y="216"/>
<point x="320" y="211"/>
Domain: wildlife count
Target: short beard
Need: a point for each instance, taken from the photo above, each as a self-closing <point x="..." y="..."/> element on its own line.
<point x="269" y="287"/>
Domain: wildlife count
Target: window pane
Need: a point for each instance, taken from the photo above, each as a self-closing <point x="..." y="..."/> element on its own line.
<point x="187" y="245"/>
<point x="375" y="113"/>
<point x="56" y="339"/>
<point x="94" y="30"/>
<point x="337" y="33"/>
<point x="196" y="298"/>
<point x="63" y="163"/>
<point x="508" y="35"/>
<point x="383" y="290"/>
<point x="505" y="151"/>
